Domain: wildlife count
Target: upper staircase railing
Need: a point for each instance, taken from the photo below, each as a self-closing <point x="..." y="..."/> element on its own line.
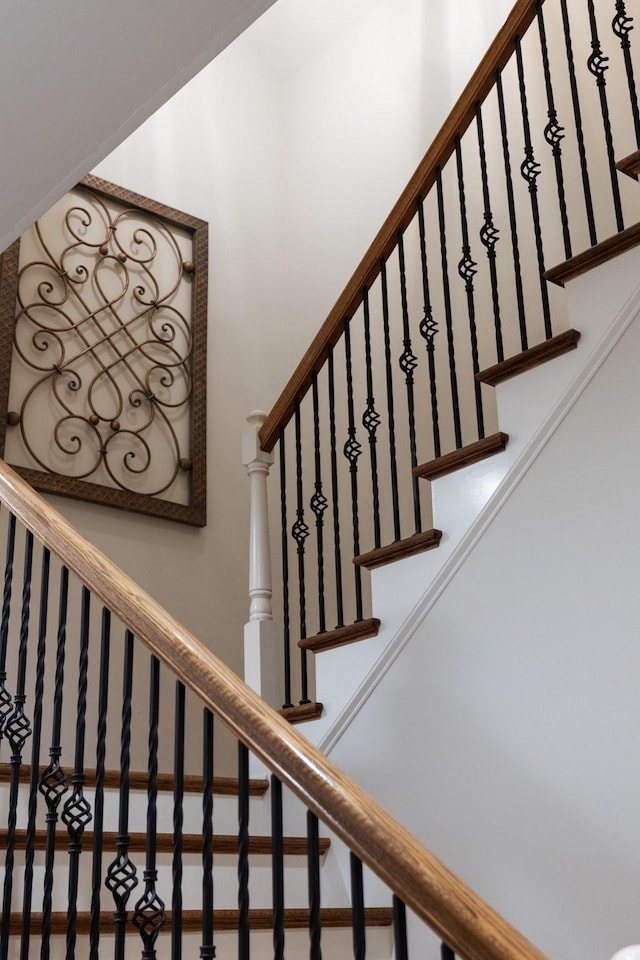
<point x="520" y="187"/>
<point x="60" y="676"/>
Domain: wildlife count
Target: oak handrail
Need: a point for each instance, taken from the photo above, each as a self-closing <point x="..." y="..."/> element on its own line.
<point x="400" y="217"/>
<point x="445" y="903"/>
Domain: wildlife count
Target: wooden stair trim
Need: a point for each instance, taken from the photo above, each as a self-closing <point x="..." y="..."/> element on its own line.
<point x="223" y="920"/>
<point x="138" y="780"/>
<point x="351" y="633"/>
<point x="606" y="250"/>
<point x="464" y="457"/>
<point x="630" y="165"/>
<point x="418" y="543"/>
<point x="191" y="843"/>
<point x="302" y="712"/>
<point x="528" y="359"/>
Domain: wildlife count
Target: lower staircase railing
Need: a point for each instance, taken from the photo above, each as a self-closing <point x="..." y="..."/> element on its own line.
<point x="85" y="654"/>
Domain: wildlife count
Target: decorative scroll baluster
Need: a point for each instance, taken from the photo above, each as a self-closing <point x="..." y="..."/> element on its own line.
<point x="17" y="730"/>
<point x="554" y="134"/>
<point x="337" y="552"/>
<point x="622" y="25"/>
<point x="149" y="914"/>
<point x="178" y="821"/>
<point x="313" y="870"/>
<point x="318" y="506"/>
<point x="352" y="450"/>
<point x="489" y="235"/>
<point x="357" y="909"/>
<point x="286" y="630"/>
<point x="53" y="783"/>
<point x="393" y="461"/>
<point x="513" y="224"/>
<point x="6" y="702"/>
<point x="455" y="403"/>
<point x="243" y="852"/>
<point x="597" y="64"/>
<point x="300" y="532"/>
<point x="530" y="170"/>
<point x="428" y="330"/>
<point x="408" y="363"/>
<point x="101" y="747"/>
<point x="76" y="813"/>
<point x="207" y="950"/>
<point x="371" y="421"/>
<point x="30" y="844"/>
<point x="400" y="930"/>
<point x="467" y="271"/>
<point x="121" y="873"/>
<point x="577" y="113"/>
<point x="277" y="869"/>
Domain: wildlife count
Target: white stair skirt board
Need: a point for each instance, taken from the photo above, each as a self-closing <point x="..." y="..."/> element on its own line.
<point x="602" y="304"/>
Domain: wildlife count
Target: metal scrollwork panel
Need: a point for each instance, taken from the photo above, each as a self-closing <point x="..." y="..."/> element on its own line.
<point x="103" y="318"/>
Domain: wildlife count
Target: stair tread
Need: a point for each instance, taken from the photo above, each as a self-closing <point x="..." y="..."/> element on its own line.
<point x="302" y="712"/>
<point x="528" y="359"/>
<point x="607" y="249"/>
<point x="352" y="632"/>
<point x="463" y="457"/>
<point x="418" y="543"/>
<point x="630" y="165"/>
<point x="191" y="843"/>
<point x="222" y="786"/>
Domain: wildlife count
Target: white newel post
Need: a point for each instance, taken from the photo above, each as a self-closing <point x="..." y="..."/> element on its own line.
<point x="261" y="667"/>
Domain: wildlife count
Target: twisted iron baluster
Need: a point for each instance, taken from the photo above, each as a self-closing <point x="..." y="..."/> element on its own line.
<point x="489" y="235"/>
<point x="121" y="876"/>
<point x="530" y="170"/>
<point x="455" y="403"/>
<point x="149" y="914"/>
<point x="371" y="421"/>
<point x="622" y="25"/>
<point x="101" y="745"/>
<point x="429" y="329"/>
<point x="300" y="532"/>
<point x="277" y="869"/>
<point x="408" y="362"/>
<point x="285" y="573"/>
<point x="467" y="271"/>
<point x="30" y="844"/>
<point x="400" y="930"/>
<point x="313" y="870"/>
<point x="597" y="66"/>
<point x="53" y="782"/>
<point x="76" y="812"/>
<point x="207" y="950"/>
<point x="17" y="730"/>
<point x="243" y="852"/>
<point x="337" y="553"/>
<point x="357" y="909"/>
<point x="393" y="461"/>
<point x="178" y="820"/>
<point x="352" y="450"/>
<point x="6" y="701"/>
<point x="318" y="504"/>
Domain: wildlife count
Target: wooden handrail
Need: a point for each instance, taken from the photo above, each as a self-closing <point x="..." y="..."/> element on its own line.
<point x="400" y="217"/>
<point x="444" y="902"/>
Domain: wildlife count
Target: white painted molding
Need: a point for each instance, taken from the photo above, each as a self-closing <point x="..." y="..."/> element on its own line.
<point x="628" y="953"/>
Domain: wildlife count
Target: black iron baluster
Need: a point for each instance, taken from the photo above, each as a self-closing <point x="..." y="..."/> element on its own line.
<point x="313" y="870"/>
<point x="6" y="702"/>
<point x="121" y="876"/>
<point x="277" y="869"/>
<point x="207" y="950"/>
<point x="530" y="170"/>
<point x="622" y="25"/>
<point x="318" y="504"/>
<point x="513" y="225"/>
<point x="489" y="236"/>
<point x="577" y="113"/>
<point x="101" y="748"/>
<point x="429" y="329"/>
<point x="243" y="852"/>
<point x="352" y="450"/>
<point x="597" y="66"/>
<point x="76" y="812"/>
<point x="53" y="782"/>
<point x="408" y="362"/>
<point x="178" y="822"/>
<point x="455" y="402"/>
<point x="337" y="553"/>
<point x="357" y="909"/>
<point x="446" y="953"/>
<point x="30" y="844"/>
<point x="17" y="730"/>
<point x="300" y="532"/>
<point x="371" y="421"/>
<point x="285" y="573"/>
<point x="400" y="930"/>
<point x="393" y="461"/>
<point x="467" y="271"/>
<point x="554" y="134"/>
<point x="149" y="914"/>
